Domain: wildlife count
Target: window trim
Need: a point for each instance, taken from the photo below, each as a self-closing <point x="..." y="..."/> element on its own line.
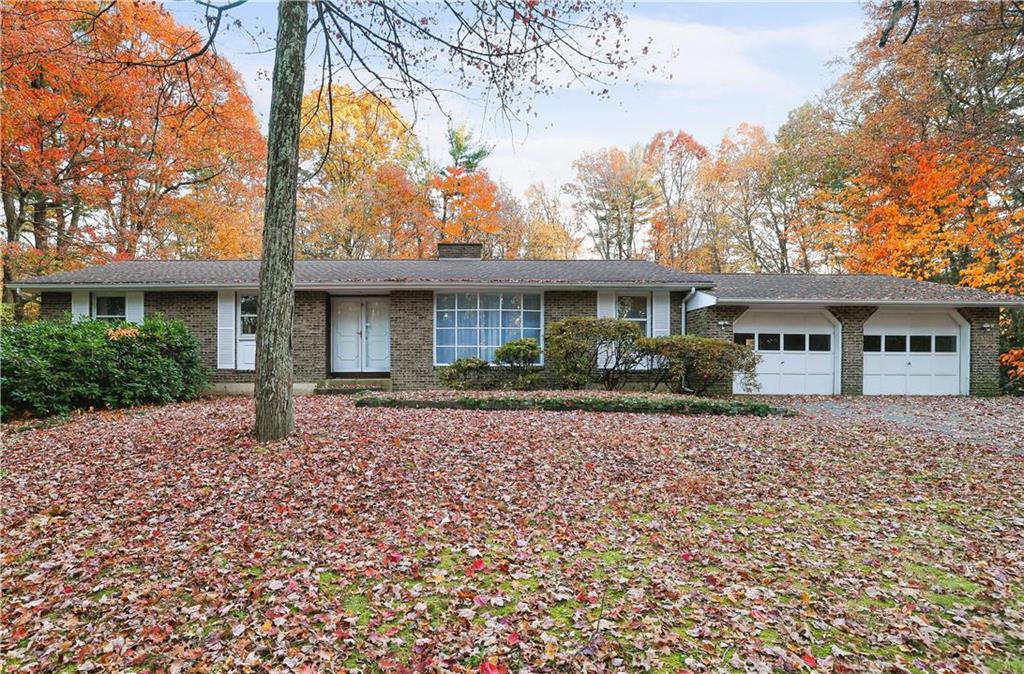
<point x="93" y="306"/>
<point x="480" y="291"/>
<point x="649" y="310"/>
<point x="239" y="335"/>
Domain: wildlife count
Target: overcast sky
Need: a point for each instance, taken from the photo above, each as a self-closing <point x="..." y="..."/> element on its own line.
<point x="719" y="63"/>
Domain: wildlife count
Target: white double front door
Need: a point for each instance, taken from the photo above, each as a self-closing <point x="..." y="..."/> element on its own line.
<point x="360" y="334"/>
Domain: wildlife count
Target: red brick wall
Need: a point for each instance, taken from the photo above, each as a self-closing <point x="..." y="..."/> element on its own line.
<point x="198" y="310"/>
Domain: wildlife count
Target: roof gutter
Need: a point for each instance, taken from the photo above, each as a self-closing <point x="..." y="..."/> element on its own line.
<point x="865" y="302"/>
<point x="377" y="285"/>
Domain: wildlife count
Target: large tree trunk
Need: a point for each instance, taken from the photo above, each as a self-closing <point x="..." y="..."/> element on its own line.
<point x="275" y="411"/>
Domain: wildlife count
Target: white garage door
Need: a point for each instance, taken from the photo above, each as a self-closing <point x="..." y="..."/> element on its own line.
<point x="912" y="353"/>
<point x="798" y="351"/>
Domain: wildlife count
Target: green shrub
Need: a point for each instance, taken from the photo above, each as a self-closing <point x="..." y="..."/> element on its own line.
<point x="581" y="349"/>
<point x="53" y="367"/>
<point x="519" y="358"/>
<point x="590" y="402"/>
<point x="467" y="373"/>
<point x="688" y="363"/>
<point x="516" y="369"/>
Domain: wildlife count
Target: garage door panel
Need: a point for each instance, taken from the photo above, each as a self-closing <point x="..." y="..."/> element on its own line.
<point x="770" y="362"/>
<point x="793" y="364"/>
<point x="919" y="385"/>
<point x="920" y="363"/>
<point x="893" y="365"/>
<point x="945" y="363"/>
<point x="872" y="365"/>
<point x="769" y="383"/>
<point x="945" y="385"/>
<point x="820" y="384"/>
<point x="820" y="364"/>
<point x="792" y="370"/>
<point x="918" y="369"/>
<point x="892" y="385"/>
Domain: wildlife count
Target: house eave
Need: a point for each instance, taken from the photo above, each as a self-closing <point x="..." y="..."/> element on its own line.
<point x="868" y="302"/>
<point x="343" y="287"/>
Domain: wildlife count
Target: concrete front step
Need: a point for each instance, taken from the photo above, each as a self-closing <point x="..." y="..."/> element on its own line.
<point x="348" y="386"/>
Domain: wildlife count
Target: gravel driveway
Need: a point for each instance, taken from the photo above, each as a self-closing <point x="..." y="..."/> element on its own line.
<point x="996" y="423"/>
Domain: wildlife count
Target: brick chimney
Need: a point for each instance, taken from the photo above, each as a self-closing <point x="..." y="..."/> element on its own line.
<point x="447" y="250"/>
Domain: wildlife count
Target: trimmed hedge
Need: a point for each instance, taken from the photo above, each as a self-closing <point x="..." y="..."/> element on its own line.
<point x="53" y="367"/>
<point x="554" y="402"/>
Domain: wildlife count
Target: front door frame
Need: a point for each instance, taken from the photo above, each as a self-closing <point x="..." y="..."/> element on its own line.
<point x="362" y="372"/>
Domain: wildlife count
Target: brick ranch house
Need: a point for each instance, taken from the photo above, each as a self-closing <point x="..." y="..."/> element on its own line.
<point x="403" y="319"/>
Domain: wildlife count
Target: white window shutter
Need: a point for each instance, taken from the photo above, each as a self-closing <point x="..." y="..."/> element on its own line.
<point x="80" y="305"/>
<point x="134" y="312"/>
<point x="605" y="309"/>
<point x="606" y="304"/>
<point x="225" y="330"/>
<point x="660" y="314"/>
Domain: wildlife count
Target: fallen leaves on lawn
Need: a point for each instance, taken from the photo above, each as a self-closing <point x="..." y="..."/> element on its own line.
<point x="167" y="539"/>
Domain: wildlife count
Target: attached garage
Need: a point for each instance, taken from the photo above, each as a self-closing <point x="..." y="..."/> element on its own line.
<point x="916" y="353"/>
<point x="799" y="350"/>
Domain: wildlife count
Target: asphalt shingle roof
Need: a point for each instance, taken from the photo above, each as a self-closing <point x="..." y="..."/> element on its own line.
<point x="728" y="288"/>
<point x="325" y="272"/>
<point x="846" y="288"/>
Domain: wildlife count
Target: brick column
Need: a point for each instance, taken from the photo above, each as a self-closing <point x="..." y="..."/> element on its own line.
<point x="851" y="365"/>
<point x="984" y="349"/>
<point x="412" y="340"/>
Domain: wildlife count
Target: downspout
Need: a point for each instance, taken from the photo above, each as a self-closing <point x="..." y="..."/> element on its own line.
<point x="693" y="291"/>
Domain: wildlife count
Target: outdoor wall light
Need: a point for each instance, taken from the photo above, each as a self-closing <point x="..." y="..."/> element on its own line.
<point x="724" y="324"/>
<point x="988" y="327"/>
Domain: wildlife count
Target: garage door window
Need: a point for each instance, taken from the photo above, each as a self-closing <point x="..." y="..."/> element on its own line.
<point x="744" y="338"/>
<point x="920" y="344"/>
<point x="945" y="343"/>
<point x="916" y="343"/>
<point x="794" y="342"/>
<point x="819" y="342"/>
<point x="895" y="343"/>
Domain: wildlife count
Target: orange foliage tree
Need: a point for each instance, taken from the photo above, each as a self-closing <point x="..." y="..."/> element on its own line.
<point x="102" y="159"/>
<point x="930" y="214"/>
<point x="466" y="204"/>
<point x="676" y="236"/>
<point x="615" y="195"/>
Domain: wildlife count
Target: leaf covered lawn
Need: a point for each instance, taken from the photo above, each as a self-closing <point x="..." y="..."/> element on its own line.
<point x="166" y="539"/>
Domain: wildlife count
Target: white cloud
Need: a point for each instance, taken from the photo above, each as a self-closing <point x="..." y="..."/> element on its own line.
<point x="705" y="61"/>
<point x="546" y="158"/>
